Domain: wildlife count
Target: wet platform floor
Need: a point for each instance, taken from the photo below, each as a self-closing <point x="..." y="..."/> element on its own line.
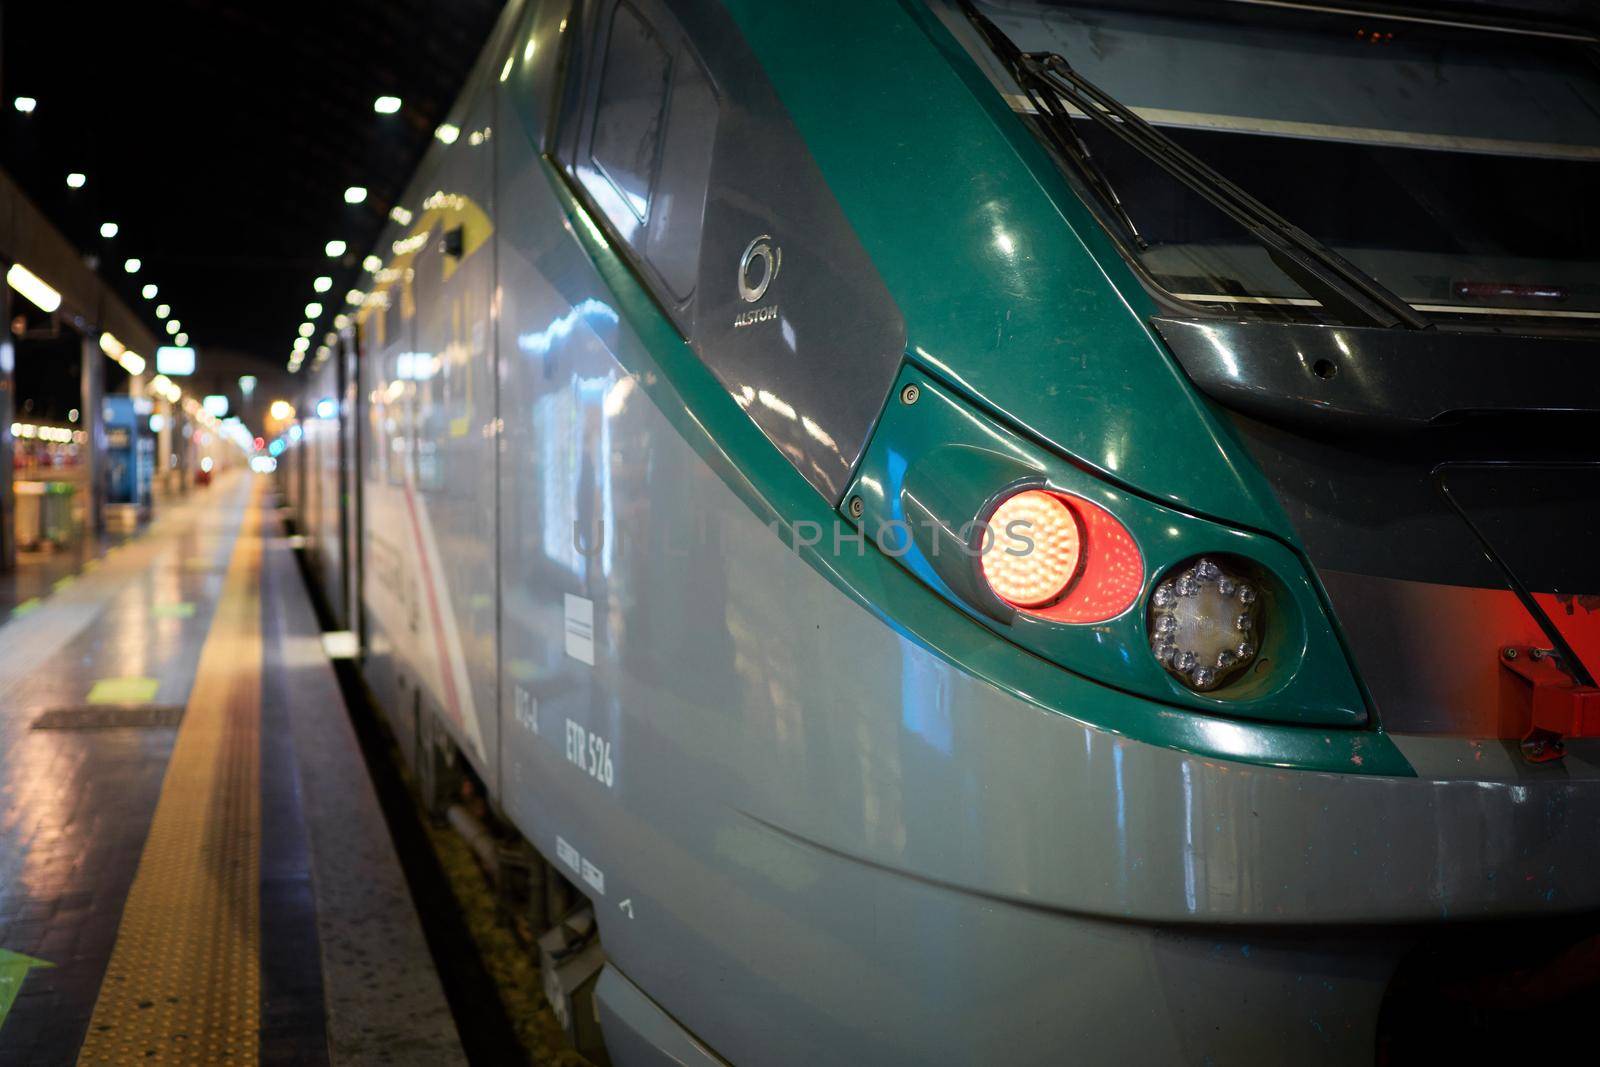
<point x="193" y="865"/>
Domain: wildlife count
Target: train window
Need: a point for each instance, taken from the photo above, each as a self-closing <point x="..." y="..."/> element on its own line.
<point x="646" y="144"/>
<point x="629" y="113"/>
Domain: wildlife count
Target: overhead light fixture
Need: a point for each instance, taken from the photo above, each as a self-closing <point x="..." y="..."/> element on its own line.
<point x="33" y="287"/>
<point x="341" y="322"/>
<point x="447" y="132"/>
<point x="330" y="337"/>
<point x="355" y="194"/>
<point x="301" y="344"/>
<point x="25" y="104"/>
<point x="150" y="291"/>
<point x="386" y="105"/>
<point x="182" y="339"/>
<point x="173" y="326"/>
<point x="400" y="215"/>
<point x="313" y="309"/>
<point x="163" y="310"/>
<point x="306" y="329"/>
<point x="334" y="248"/>
<point x="131" y="265"/>
<point x="372" y="264"/>
<point x="322" y="283"/>
<point x="132" y="362"/>
<point x="108" y="230"/>
<point x="75" y="180"/>
<point x="505" y="71"/>
<point x="354" y="296"/>
<point x="110" y="345"/>
<point x="322" y="351"/>
<point x="281" y="410"/>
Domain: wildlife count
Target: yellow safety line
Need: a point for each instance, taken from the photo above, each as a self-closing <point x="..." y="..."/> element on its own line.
<point x="184" y="981"/>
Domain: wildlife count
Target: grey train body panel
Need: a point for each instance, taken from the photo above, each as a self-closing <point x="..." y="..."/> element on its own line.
<point x="807" y="837"/>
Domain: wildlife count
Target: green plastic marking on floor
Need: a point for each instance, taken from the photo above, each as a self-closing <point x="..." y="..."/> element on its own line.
<point x="62" y="583"/>
<point x="124" y="691"/>
<point x="31" y="604"/>
<point x="14" y="967"/>
<point x="181" y="610"/>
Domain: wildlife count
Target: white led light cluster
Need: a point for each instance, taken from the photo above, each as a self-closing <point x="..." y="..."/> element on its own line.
<point x="1205" y="622"/>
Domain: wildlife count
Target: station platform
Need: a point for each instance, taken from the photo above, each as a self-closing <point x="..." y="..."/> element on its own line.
<point x="194" y="867"/>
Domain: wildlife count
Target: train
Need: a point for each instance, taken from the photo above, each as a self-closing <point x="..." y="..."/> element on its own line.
<point x="979" y="531"/>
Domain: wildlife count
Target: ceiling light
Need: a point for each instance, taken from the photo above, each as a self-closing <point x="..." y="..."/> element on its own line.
<point x="108" y="230"/>
<point x="306" y="329"/>
<point x="173" y="325"/>
<point x="355" y="194"/>
<point x="386" y="105"/>
<point x="25" y="104"/>
<point x="131" y="266"/>
<point x="313" y="309"/>
<point x="150" y="291"/>
<point x="372" y="264"/>
<point x="447" y="132"/>
<point x="334" y="248"/>
<point x="163" y="310"/>
<point x="354" y="296"/>
<point x="133" y="363"/>
<point x="340" y="322"/>
<point x="322" y="284"/>
<point x="110" y="345"/>
<point x="33" y="287"/>
<point x="301" y="344"/>
<point x="505" y="71"/>
<point x="75" y="180"/>
<point x="182" y="339"/>
<point x="400" y="215"/>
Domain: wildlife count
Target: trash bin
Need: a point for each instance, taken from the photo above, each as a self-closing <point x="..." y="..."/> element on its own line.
<point x="56" y="520"/>
<point x="30" y="513"/>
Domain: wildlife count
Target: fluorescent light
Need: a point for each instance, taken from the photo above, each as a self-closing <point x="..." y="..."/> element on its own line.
<point x="131" y="265"/>
<point x="313" y="309"/>
<point x="25" y="104"/>
<point x="505" y="71"/>
<point x="355" y="194"/>
<point x="173" y="326"/>
<point x="75" y="180"/>
<point x="175" y="360"/>
<point x="322" y="284"/>
<point x="372" y="264"/>
<point x="163" y="310"/>
<point x="150" y="291"/>
<point x="354" y="296"/>
<point x="306" y="329"/>
<point x="447" y="132"/>
<point x="108" y="230"/>
<point x="301" y="344"/>
<point x="247" y="384"/>
<point x="133" y="363"/>
<point x="216" y="404"/>
<point x="341" y="321"/>
<point x="334" y="248"/>
<point x="386" y="105"/>
<point x="182" y="339"/>
<point x="400" y="215"/>
<point x="110" y="345"/>
<point x="33" y="287"/>
<point x="281" y="410"/>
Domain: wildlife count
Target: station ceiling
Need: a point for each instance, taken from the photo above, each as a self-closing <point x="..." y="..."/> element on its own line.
<point x="219" y="136"/>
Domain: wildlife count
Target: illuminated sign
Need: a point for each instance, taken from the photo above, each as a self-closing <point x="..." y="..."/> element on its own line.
<point x="216" y="404"/>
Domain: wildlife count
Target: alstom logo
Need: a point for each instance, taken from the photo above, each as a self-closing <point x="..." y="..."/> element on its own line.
<point x="755" y="279"/>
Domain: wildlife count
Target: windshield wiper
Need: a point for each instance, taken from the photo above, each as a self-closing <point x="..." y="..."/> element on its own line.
<point x="1053" y="85"/>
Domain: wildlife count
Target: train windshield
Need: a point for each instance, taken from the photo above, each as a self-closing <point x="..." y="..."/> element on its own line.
<point x="1452" y="159"/>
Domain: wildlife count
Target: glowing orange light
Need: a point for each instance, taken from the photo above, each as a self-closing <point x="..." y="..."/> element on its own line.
<point x="1033" y="548"/>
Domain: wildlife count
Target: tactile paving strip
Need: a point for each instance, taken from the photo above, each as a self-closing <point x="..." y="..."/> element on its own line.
<point x="184" y="982"/>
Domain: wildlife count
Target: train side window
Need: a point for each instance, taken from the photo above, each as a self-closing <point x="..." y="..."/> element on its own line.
<point x="642" y="142"/>
<point x="629" y="114"/>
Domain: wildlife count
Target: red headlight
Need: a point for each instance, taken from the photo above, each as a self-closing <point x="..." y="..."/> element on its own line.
<point x="1061" y="557"/>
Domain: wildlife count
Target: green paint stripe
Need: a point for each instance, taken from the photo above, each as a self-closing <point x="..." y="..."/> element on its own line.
<point x="14" y="967"/>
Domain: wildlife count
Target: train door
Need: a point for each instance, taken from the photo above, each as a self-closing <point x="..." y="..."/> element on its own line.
<point x="452" y="373"/>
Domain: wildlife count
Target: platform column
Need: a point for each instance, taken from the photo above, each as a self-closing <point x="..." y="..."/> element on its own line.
<point x="8" y="499"/>
<point x="94" y="432"/>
